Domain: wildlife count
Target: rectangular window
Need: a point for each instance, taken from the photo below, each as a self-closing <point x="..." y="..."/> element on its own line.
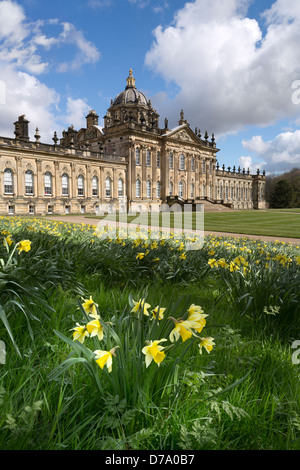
<point x="148" y="158"/>
<point x="50" y="209"/>
<point x="11" y="210"/>
<point x="67" y="209"/>
<point x="158" y="160"/>
<point x="8" y="182"/>
<point x="171" y="161"/>
<point x="137" y="156"/>
<point x="31" y="209"/>
<point x="28" y="183"/>
<point x="192" y="164"/>
<point x="82" y="209"/>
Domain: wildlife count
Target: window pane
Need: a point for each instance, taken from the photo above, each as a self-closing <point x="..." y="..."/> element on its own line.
<point x="95" y="186"/>
<point x="138" y="188"/>
<point x="28" y="182"/>
<point x="120" y="188"/>
<point x="80" y="183"/>
<point x="65" y="185"/>
<point x="108" y="187"/>
<point x="48" y="184"/>
<point x="8" y="182"/>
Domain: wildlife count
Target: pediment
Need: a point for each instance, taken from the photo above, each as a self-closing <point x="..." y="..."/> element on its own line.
<point x="182" y="133"/>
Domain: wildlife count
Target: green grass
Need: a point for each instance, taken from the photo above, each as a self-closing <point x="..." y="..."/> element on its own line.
<point x="244" y="395"/>
<point x="268" y="223"/>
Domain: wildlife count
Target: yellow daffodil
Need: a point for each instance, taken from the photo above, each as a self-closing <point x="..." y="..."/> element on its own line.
<point x="95" y="329"/>
<point x="80" y="332"/>
<point x="182" y="256"/>
<point x="9" y="241"/>
<point x="24" y="245"/>
<point x="233" y="267"/>
<point x="89" y="307"/>
<point x="140" y="255"/>
<point x="212" y="263"/>
<point x="182" y="329"/>
<point x="158" y="312"/>
<point x="141" y="305"/>
<point x="154" y="352"/>
<point x="206" y="343"/>
<point x="222" y="263"/>
<point x="105" y="358"/>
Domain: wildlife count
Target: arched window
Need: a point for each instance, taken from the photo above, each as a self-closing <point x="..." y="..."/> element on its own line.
<point x="28" y="182"/>
<point x="48" y="184"/>
<point x="8" y="182"/>
<point x="192" y="190"/>
<point x="148" y="158"/>
<point x="182" y="162"/>
<point x="171" y="161"/>
<point x="148" y="189"/>
<point x="158" y="189"/>
<point x="65" y="184"/>
<point x="95" y="186"/>
<point x="120" y="187"/>
<point x="80" y="185"/>
<point x="138" y="188"/>
<point x="108" y="187"/>
<point x="170" y="188"/>
<point x="137" y="156"/>
<point x="180" y="189"/>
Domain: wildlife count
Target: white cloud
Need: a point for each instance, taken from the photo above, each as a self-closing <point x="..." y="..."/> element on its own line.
<point x="140" y="3"/>
<point x="280" y="154"/>
<point x="95" y="4"/>
<point x="228" y="74"/>
<point x="77" y="109"/>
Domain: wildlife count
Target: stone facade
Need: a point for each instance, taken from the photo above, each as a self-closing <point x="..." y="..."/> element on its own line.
<point x="129" y="164"/>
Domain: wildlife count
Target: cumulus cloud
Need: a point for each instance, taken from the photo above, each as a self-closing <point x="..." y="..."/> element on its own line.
<point x="22" y="45"/>
<point x="277" y="155"/>
<point x="227" y="73"/>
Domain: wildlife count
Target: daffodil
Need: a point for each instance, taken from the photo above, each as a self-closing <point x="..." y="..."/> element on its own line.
<point x="95" y="328"/>
<point x="154" y="352"/>
<point x="8" y="240"/>
<point x="212" y="263"/>
<point x="141" y="305"/>
<point x="140" y="255"/>
<point x="105" y="358"/>
<point x="158" y="312"/>
<point x="182" y="329"/>
<point x="182" y="256"/>
<point x="80" y="332"/>
<point x="206" y="343"/>
<point x="24" y="245"/>
<point x="89" y="307"/>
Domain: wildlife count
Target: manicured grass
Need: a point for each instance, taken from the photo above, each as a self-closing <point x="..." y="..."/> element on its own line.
<point x="269" y="223"/>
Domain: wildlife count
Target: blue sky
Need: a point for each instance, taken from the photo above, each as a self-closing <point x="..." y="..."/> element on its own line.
<point x="229" y="64"/>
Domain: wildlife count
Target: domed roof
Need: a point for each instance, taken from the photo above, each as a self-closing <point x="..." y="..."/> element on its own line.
<point x="131" y="94"/>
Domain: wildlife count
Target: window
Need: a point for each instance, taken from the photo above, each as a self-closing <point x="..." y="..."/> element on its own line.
<point x="203" y="167"/>
<point x="48" y="185"/>
<point x="108" y="187"/>
<point x="226" y="192"/>
<point x="210" y="168"/>
<point x="28" y="182"/>
<point x="158" y="189"/>
<point x="232" y="195"/>
<point x="221" y="191"/>
<point x="242" y="193"/>
<point x="148" y="189"/>
<point x="246" y="194"/>
<point x="171" y="188"/>
<point x="182" y="163"/>
<point x="158" y="160"/>
<point x="138" y="188"/>
<point x="180" y="189"/>
<point x="50" y="209"/>
<point x="192" y="190"/>
<point x="192" y="164"/>
<point x="11" y="210"/>
<point x="137" y="156"/>
<point x="120" y="188"/>
<point x="171" y="161"/>
<point x="148" y="158"/>
<point x="8" y="181"/>
<point x="31" y="209"/>
<point x="67" y="209"/>
<point x="82" y="209"/>
<point x="237" y="193"/>
<point x="65" y="184"/>
<point x="95" y="186"/>
<point x="80" y="185"/>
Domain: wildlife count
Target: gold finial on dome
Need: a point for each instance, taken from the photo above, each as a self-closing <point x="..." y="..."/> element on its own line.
<point x="130" y="79"/>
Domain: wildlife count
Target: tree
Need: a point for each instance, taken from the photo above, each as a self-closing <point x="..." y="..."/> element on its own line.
<point x="283" y="195"/>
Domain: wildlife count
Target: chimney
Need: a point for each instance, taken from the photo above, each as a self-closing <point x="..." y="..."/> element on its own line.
<point x="21" y="128"/>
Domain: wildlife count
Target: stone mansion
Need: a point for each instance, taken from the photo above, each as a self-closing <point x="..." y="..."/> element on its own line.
<point x="129" y="164"/>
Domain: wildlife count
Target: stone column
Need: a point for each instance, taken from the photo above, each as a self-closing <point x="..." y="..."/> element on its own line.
<point x="20" y="185"/>
<point x="40" y="191"/>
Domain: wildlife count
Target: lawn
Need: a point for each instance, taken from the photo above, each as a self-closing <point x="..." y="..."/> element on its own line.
<point x="141" y="344"/>
<point x="269" y="223"/>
